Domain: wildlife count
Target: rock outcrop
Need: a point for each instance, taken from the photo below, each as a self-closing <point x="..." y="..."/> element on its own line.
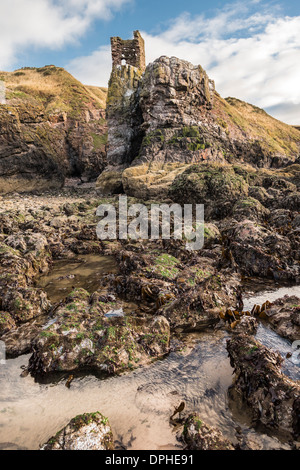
<point x="51" y="127"/>
<point x="22" y="258"/>
<point x="170" y="117"/>
<point x="284" y="316"/>
<point x="274" y="399"/>
<point x="83" y="335"/>
<point x="172" y="137"/>
<point x="199" y="436"/>
<point x="90" y="431"/>
<point x="256" y="211"/>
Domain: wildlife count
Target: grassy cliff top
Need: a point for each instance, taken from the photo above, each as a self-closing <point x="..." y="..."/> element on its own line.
<point x="53" y="89"/>
<point x="273" y="135"/>
<point x="100" y="93"/>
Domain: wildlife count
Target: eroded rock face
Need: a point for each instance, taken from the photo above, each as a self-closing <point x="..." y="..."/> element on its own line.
<point x="123" y="114"/>
<point x="51" y="127"/>
<point x="124" y="121"/>
<point x="85" y="335"/>
<point x="170" y="85"/>
<point x="273" y="398"/>
<point x="90" y="431"/>
<point x="199" y="436"/>
<point x="171" y="117"/>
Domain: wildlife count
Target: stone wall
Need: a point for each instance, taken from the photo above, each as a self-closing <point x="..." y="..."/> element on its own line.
<point x="129" y="52"/>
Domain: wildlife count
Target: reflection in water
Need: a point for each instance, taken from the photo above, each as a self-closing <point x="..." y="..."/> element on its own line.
<point x="84" y="272"/>
<point x="270" y="338"/>
<point x="139" y="404"/>
<point x="272" y="294"/>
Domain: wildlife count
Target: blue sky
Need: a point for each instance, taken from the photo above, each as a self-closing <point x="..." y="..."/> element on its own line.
<point x="250" y="48"/>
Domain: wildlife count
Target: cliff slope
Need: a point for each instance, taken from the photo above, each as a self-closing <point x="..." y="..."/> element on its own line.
<point x="51" y="127"/>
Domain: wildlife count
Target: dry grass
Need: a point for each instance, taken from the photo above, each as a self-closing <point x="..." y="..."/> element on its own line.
<point x="54" y="88"/>
<point x="57" y="91"/>
<point x="273" y="135"/>
<point x="100" y="93"/>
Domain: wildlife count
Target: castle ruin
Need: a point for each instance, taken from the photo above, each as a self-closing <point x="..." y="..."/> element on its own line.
<point x="129" y="52"/>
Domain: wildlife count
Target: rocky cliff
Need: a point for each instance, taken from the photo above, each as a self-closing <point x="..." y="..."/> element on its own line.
<point x="51" y="127"/>
<point x="170" y="117"/>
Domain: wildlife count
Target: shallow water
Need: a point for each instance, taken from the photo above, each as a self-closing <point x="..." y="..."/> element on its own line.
<point x="272" y="293"/>
<point x="85" y="272"/>
<point x="266" y="335"/>
<point x="139" y="404"/>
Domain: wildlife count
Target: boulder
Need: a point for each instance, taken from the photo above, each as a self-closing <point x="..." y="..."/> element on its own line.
<point x="284" y="316"/>
<point x="199" y="436"/>
<point x="90" y="431"/>
<point x="272" y="398"/>
<point x="86" y="335"/>
<point x="260" y="251"/>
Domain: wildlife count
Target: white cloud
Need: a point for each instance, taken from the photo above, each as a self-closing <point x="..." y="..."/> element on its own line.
<point x="93" y="69"/>
<point x="251" y="51"/>
<point x="286" y="113"/>
<point x="47" y="23"/>
<point x="255" y="58"/>
<point x="252" y="55"/>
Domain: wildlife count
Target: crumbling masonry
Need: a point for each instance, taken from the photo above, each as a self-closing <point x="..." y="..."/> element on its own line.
<point x="129" y="52"/>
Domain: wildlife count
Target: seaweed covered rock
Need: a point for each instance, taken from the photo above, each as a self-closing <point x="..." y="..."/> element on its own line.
<point x="90" y="431"/>
<point x="187" y="289"/>
<point x="218" y="187"/>
<point x="91" y="332"/>
<point x="22" y="258"/>
<point x="247" y="325"/>
<point x="261" y="251"/>
<point x="199" y="436"/>
<point x="250" y="208"/>
<point x="25" y="303"/>
<point x="273" y="399"/>
<point x="6" y="323"/>
<point x="284" y="316"/>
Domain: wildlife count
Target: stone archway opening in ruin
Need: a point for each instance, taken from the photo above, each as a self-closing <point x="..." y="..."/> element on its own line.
<point x="129" y="52"/>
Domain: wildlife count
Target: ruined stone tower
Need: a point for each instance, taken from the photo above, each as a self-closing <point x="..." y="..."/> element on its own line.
<point x="123" y="111"/>
<point x="129" y="52"/>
